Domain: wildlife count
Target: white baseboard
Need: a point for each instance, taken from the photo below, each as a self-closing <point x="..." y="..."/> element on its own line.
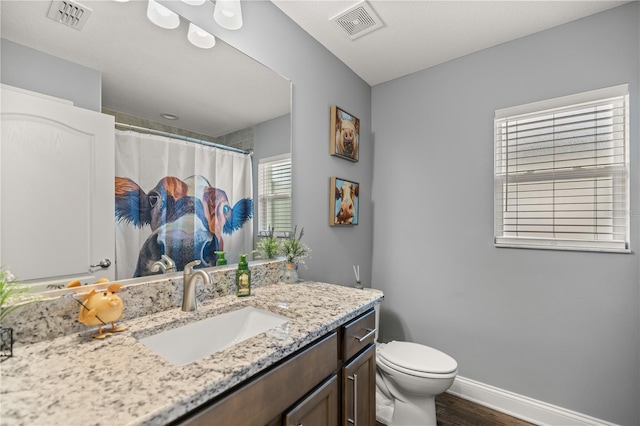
<point x="522" y="407"/>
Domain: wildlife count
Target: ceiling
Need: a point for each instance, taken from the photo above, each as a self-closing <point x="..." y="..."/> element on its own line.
<point x="420" y="34"/>
<point x="147" y="70"/>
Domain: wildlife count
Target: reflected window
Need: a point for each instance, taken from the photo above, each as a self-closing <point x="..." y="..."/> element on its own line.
<point x="274" y="194"/>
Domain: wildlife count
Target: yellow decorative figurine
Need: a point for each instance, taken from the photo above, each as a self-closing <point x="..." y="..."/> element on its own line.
<point x="101" y="307"/>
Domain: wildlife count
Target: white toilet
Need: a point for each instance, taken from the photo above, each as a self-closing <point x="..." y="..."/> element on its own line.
<point x="408" y="378"/>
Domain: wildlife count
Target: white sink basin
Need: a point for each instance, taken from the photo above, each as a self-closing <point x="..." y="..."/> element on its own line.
<point x="189" y="343"/>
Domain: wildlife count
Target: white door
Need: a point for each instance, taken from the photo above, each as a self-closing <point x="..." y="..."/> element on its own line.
<point x="56" y="190"/>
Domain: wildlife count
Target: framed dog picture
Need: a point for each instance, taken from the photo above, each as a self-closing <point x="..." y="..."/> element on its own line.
<point x="345" y="134"/>
<point x="343" y="199"/>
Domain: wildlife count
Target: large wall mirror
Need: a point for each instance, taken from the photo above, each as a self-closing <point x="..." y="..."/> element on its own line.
<point x="148" y="74"/>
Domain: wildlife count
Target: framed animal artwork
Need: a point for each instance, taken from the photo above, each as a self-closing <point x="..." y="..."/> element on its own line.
<point x="345" y="134"/>
<point x="344" y="201"/>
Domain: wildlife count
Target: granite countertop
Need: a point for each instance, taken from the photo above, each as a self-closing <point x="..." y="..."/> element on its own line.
<point x="118" y="381"/>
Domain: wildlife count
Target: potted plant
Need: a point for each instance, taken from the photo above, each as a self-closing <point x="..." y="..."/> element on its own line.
<point x="11" y="294"/>
<point x="267" y="247"/>
<point x="295" y="252"/>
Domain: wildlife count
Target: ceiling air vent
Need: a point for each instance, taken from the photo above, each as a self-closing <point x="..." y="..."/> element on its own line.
<point x="69" y="13"/>
<point x="358" y="20"/>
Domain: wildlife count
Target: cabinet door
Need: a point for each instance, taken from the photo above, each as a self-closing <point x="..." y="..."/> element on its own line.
<point x="319" y="408"/>
<point x="56" y="189"/>
<point x="359" y="389"/>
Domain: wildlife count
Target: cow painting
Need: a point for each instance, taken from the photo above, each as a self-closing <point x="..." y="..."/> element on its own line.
<point x="187" y="219"/>
<point x="344" y="205"/>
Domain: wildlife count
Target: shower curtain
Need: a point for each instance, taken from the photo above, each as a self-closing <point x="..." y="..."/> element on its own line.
<point x="181" y="199"/>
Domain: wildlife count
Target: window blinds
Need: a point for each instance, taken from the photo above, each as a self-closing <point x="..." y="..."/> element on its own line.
<point x="274" y="193"/>
<point x="561" y="173"/>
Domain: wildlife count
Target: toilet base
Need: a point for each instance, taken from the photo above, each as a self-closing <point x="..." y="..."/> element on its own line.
<point x="384" y="407"/>
<point x="414" y="413"/>
<point x="410" y="412"/>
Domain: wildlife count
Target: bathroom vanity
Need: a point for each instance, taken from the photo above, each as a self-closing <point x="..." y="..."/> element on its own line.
<point x="317" y="368"/>
<point x="329" y="382"/>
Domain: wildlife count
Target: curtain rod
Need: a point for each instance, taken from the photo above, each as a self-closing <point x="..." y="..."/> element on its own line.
<point x="181" y="137"/>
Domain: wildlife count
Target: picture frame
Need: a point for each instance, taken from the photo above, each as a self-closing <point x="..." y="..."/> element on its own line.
<point x="345" y="134"/>
<point x="344" y="201"/>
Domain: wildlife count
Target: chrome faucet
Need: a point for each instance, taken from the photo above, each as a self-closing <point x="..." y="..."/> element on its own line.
<point x="189" y="302"/>
<point x="166" y="265"/>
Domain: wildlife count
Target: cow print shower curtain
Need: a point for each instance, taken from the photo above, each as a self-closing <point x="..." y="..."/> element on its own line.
<point x="181" y="199"/>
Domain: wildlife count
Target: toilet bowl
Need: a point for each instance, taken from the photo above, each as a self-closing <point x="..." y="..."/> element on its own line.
<point x="408" y="378"/>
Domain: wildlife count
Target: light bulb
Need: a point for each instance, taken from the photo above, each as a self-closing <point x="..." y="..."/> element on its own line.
<point x="228" y="14"/>
<point x="161" y="16"/>
<point x="200" y="38"/>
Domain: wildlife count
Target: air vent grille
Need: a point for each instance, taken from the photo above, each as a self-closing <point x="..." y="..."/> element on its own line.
<point x="358" y="20"/>
<point x="69" y="13"/>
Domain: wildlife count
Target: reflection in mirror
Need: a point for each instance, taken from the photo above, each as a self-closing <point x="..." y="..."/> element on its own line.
<point x="145" y="77"/>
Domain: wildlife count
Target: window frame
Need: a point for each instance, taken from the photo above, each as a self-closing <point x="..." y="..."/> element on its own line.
<point x="618" y="174"/>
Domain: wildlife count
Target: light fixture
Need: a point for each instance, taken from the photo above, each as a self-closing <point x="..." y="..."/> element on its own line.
<point x="194" y="2"/>
<point x="199" y="37"/>
<point x="169" y="116"/>
<point x="227" y="14"/>
<point x="161" y="16"/>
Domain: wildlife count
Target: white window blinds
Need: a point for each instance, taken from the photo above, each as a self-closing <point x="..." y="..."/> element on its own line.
<point x="561" y="173"/>
<point x="274" y="193"/>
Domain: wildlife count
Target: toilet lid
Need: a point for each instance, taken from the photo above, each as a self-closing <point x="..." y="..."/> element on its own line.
<point x="416" y="357"/>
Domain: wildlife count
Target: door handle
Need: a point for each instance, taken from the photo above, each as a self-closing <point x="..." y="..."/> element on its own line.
<point x="104" y="263"/>
<point x="354" y="379"/>
<point x="366" y="336"/>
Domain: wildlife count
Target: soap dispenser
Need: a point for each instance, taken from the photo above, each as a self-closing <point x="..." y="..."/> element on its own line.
<point x="243" y="278"/>
<point x="221" y="259"/>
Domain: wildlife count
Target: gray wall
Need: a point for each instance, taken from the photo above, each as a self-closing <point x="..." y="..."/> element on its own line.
<point x="560" y="327"/>
<point x="32" y="70"/>
<point x="272" y="137"/>
<point x="319" y="80"/>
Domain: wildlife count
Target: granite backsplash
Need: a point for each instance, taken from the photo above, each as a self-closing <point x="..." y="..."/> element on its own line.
<point x="57" y="315"/>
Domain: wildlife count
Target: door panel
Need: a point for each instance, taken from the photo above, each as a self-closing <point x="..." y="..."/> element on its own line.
<point x="56" y="189"/>
<point x="359" y="389"/>
<point x="319" y="408"/>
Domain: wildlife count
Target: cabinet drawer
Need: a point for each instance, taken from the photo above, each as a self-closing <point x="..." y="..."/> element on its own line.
<point x="357" y="334"/>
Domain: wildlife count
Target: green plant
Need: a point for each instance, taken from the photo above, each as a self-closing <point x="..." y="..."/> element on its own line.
<point x="11" y="293"/>
<point x="267" y="246"/>
<point x="293" y="249"/>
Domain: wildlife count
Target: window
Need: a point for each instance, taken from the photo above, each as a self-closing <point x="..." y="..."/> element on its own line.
<point x="561" y="170"/>
<point x="274" y="194"/>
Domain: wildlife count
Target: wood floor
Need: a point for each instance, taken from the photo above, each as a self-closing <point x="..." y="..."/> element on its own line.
<point x="454" y="411"/>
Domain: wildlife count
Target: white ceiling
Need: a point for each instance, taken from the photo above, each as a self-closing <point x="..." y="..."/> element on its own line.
<point x="419" y="34"/>
<point x="147" y="70"/>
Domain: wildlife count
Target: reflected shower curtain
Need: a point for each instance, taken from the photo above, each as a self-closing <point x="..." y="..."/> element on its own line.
<point x="179" y="199"/>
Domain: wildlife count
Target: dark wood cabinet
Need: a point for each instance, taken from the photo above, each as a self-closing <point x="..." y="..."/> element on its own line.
<point x="329" y="382"/>
<point x="321" y="407"/>
<point x="263" y="399"/>
<point x="358" y="375"/>
<point x="359" y="389"/>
